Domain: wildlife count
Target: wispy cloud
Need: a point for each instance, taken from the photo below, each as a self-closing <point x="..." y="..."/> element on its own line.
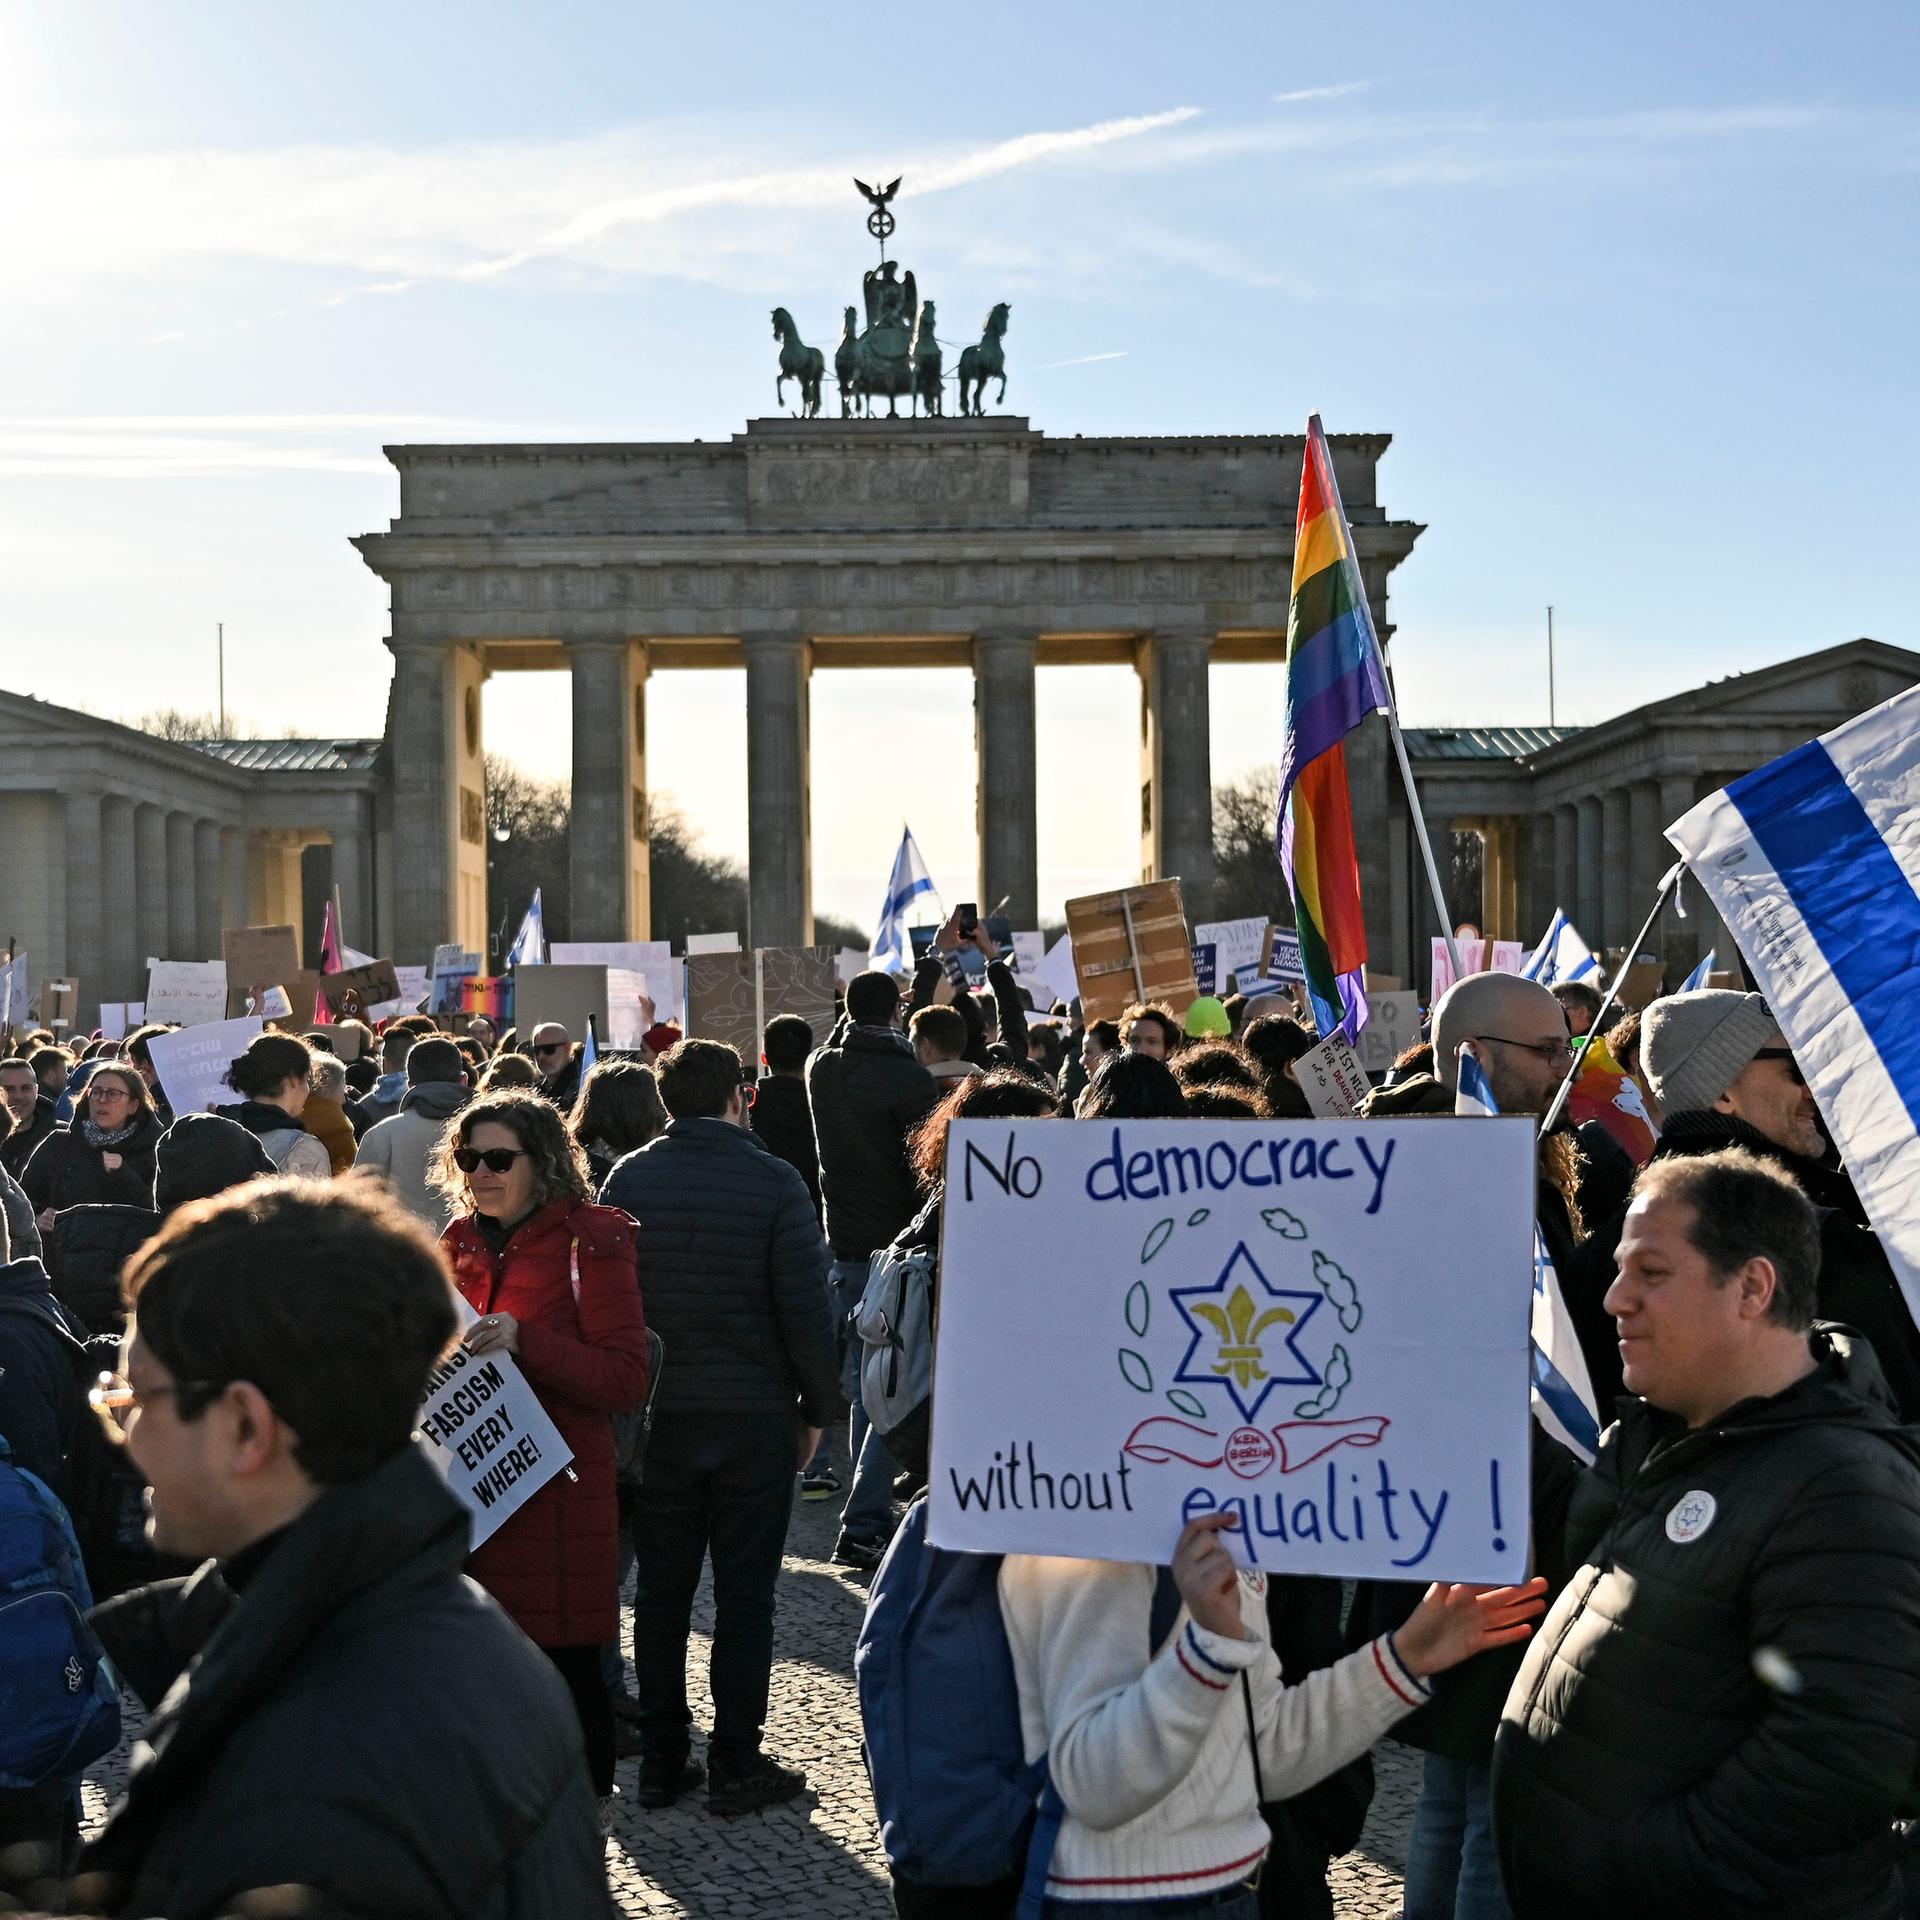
<point x="1082" y="360"/>
<point x="1300" y="95"/>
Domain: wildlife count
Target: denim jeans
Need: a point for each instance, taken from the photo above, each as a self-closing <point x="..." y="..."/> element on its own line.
<point x="719" y="1484"/>
<point x="1452" y="1872"/>
<point x="868" y="1515"/>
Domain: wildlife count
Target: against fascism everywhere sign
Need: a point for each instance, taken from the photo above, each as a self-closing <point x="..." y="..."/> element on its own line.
<point x="482" y="1426"/>
<point x="1317" y="1326"/>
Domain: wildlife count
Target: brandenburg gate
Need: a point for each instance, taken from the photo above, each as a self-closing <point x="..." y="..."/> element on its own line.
<point x="804" y="545"/>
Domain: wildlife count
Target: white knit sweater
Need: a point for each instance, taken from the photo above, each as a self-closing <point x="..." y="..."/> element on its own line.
<point x="1151" y="1757"/>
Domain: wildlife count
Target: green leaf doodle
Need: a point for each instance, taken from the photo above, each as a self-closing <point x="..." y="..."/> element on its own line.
<point x="1338" y="1378"/>
<point x="1139" y="1308"/>
<point x="1289" y="1226"/>
<point x="1139" y="1376"/>
<point x="1187" y="1403"/>
<point x="1156" y="1239"/>
<point x="1194" y="1219"/>
<point x="1342" y="1295"/>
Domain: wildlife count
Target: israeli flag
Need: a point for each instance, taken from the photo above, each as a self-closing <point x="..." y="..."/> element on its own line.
<point x="590" y="1050"/>
<point x="1561" y="955"/>
<point x="1698" y="977"/>
<point x="892" y="946"/>
<point x="1562" y="1394"/>
<point x="1814" y="864"/>
<point x="529" y="947"/>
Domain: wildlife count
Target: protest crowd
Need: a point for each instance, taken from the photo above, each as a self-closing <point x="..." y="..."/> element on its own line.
<point x="353" y="1365"/>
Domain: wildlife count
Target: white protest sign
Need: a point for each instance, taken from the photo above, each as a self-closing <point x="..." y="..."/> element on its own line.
<point x="848" y="964"/>
<point x="712" y="943"/>
<point x="666" y="977"/>
<point x="1235" y="943"/>
<point x="627" y="1021"/>
<point x="192" y="1064"/>
<point x="1476" y="956"/>
<point x="1056" y="972"/>
<point x="189" y="991"/>
<point x="1506" y="956"/>
<point x="413" y="987"/>
<point x="483" y="1427"/>
<point x="113" y="1019"/>
<point x="1029" y="955"/>
<point x="1332" y="1078"/>
<point x="15" y="991"/>
<point x="1317" y="1326"/>
<point x="1393" y="1025"/>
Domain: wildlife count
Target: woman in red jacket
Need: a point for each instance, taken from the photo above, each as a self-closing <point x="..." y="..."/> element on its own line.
<point x="554" y="1281"/>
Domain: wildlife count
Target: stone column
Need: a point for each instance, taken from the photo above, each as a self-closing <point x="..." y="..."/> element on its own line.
<point x="206" y="889"/>
<point x="1618" y="915"/>
<point x="1684" y="941"/>
<point x="1588" y="854"/>
<point x="125" y="977"/>
<point x="87" y="904"/>
<point x="235" y="906"/>
<point x="779" y="810"/>
<point x="183" y="924"/>
<point x="1176" y="808"/>
<point x="1644" y="863"/>
<point x="1006" y="807"/>
<point x="1566" y="864"/>
<point x="150" y="873"/>
<point x="439" y="799"/>
<point x="610" y="867"/>
<point x="350" y="879"/>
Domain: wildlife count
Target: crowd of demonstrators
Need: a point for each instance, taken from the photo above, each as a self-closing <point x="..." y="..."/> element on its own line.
<point x="735" y="1274"/>
<point x="618" y="1110"/>
<point x="556" y="1058"/>
<point x="867" y="1093"/>
<point x="273" y="1079"/>
<point x="400" y="1150"/>
<point x="325" y="1114"/>
<point x="105" y="1155"/>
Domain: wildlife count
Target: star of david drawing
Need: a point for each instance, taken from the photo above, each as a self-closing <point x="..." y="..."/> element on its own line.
<point x="1245" y="1334"/>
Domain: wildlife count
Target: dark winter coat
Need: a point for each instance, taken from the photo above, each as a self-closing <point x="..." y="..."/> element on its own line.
<point x="361" y="1720"/>
<point x="1010" y="1050"/>
<point x="1857" y="1287"/>
<point x="867" y="1093"/>
<point x="564" y="1089"/>
<point x="17" y="1148"/>
<point x="1721" y="1714"/>
<point x="91" y="1247"/>
<point x="23" y="1230"/>
<point x="734" y="1272"/>
<point x="66" y="1172"/>
<point x="554" y="1565"/>
<point x="40" y="1393"/>
<point x="784" y="1123"/>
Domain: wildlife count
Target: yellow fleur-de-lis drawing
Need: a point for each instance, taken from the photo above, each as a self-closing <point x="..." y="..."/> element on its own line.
<point x="1240" y="1352"/>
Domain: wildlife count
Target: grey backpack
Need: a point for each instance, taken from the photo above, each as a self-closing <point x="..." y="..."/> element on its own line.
<point x="895" y="1323"/>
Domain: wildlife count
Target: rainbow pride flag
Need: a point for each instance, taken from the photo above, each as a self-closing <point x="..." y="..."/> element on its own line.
<point x="1335" y="678"/>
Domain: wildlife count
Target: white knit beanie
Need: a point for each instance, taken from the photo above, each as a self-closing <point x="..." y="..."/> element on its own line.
<point x="1694" y="1046"/>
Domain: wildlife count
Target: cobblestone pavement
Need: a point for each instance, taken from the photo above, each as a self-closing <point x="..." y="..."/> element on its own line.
<point x="820" y="1856"/>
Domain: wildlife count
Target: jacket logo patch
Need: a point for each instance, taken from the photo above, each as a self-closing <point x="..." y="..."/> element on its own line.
<point x="1692" y="1515"/>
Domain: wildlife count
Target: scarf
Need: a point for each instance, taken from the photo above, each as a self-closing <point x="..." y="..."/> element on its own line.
<point x="103" y="1139"/>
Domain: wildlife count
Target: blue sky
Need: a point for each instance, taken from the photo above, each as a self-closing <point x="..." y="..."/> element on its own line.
<point x="1633" y="289"/>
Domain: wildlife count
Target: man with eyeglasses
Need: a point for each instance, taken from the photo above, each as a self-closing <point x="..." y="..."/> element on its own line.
<point x="1724" y="1076"/>
<point x="557" y="1062"/>
<point x="334" y="1707"/>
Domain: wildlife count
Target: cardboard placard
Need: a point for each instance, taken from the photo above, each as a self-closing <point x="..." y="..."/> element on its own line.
<point x="567" y="994"/>
<point x="1319" y="1327"/>
<point x="1642" y="985"/>
<point x="192" y="1064"/>
<point x="1393" y="1025"/>
<point x="732" y="996"/>
<point x="191" y="992"/>
<point x="483" y="1427"/>
<point x="1332" y="1079"/>
<point x="354" y="992"/>
<point x="60" y="1004"/>
<point x="256" y="957"/>
<point x="653" y="958"/>
<point x="1131" y="945"/>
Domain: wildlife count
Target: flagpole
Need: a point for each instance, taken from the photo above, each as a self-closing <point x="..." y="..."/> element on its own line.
<point x="1314" y="428"/>
<point x="1667" y="885"/>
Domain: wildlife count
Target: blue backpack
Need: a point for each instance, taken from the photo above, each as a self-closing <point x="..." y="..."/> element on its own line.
<point x="59" y="1699"/>
<point x="959" y="1803"/>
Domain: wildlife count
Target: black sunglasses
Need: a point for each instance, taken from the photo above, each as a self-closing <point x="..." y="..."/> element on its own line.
<point x="552" y="1046"/>
<point x="494" y="1159"/>
<point x="1794" y="1074"/>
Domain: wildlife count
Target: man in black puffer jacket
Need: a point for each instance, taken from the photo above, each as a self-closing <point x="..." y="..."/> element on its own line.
<point x="335" y="1707"/>
<point x="867" y="1094"/>
<point x="734" y="1275"/>
<point x="1721" y="1713"/>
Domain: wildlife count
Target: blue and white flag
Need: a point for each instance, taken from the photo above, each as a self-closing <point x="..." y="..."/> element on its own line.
<point x="892" y="946"/>
<point x="529" y="947"/>
<point x="1814" y="864"/>
<point x="1561" y="955"/>
<point x="590" y="1047"/>
<point x="1698" y="977"/>
<point x="1562" y="1393"/>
